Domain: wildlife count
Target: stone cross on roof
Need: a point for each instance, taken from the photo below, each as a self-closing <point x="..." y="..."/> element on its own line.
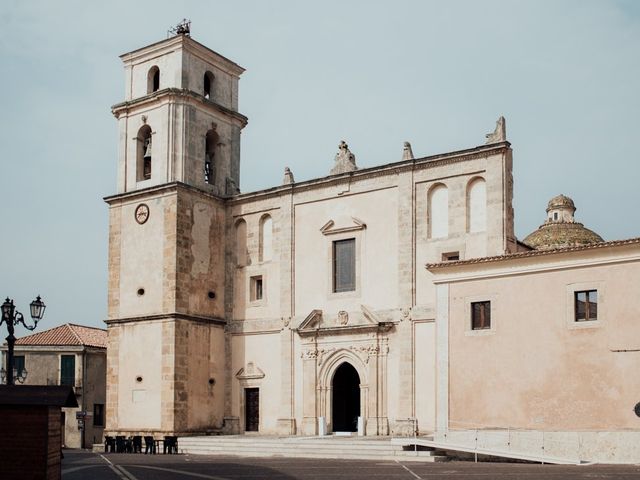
<point x="345" y="161"/>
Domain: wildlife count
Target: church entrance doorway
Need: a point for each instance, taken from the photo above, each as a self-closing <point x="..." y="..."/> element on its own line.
<point x="346" y="399"/>
<point x="251" y="409"/>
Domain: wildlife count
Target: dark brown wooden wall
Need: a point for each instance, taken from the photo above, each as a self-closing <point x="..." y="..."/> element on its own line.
<point x="31" y="443"/>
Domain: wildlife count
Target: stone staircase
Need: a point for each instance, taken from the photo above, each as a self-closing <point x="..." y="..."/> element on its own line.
<point x="341" y="447"/>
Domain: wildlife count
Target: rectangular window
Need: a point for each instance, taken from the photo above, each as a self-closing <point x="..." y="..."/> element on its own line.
<point x="450" y="256"/>
<point x="480" y="315"/>
<point x="344" y="265"/>
<point x="98" y="415"/>
<point x="586" y="305"/>
<point x="257" y="288"/>
<point x="18" y="364"/>
<point x="68" y="370"/>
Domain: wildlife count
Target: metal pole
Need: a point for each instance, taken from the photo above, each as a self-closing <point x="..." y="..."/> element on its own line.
<point x="11" y="340"/>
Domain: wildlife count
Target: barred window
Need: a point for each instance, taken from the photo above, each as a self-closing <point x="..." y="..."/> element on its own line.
<point x="344" y="265"/>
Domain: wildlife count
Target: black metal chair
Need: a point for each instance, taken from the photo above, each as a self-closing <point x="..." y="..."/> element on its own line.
<point x="137" y="444"/>
<point x="120" y="444"/>
<point x="109" y="444"/>
<point x="149" y="444"/>
<point x="170" y="444"/>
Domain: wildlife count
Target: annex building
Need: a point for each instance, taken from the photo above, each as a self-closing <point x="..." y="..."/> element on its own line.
<point x="371" y="300"/>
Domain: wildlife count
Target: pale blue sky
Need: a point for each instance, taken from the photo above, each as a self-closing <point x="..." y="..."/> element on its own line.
<point x="565" y="74"/>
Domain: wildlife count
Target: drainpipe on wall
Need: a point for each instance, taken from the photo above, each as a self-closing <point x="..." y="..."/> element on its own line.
<point x="84" y="395"/>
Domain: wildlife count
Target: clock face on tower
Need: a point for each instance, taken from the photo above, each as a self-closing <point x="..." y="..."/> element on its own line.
<point x="142" y="213"/>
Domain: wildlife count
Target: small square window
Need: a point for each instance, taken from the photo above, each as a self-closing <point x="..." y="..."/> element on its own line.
<point x="257" y="288"/>
<point x="480" y="315"/>
<point x="451" y="256"/>
<point x="585" y="305"/>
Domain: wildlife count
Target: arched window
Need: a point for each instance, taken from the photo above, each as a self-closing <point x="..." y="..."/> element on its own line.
<point x="242" y="257"/>
<point x="266" y="238"/>
<point x="211" y="143"/>
<point x="144" y="153"/>
<point x="477" y="205"/>
<point x="153" y="80"/>
<point x="438" y="211"/>
<point x="208" y="85"/>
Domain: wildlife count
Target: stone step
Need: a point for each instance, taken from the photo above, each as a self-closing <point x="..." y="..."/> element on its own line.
<point x="404" y="456"/>
<point x="287" y="448"/>
<point x="280" y="445"/>
<point x="305" y="447"/>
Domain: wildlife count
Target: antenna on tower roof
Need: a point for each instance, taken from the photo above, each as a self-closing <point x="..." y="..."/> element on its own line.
<point x="182" y="28"/>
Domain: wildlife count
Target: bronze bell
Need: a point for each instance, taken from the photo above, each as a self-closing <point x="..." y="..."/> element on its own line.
<point x="147" y="148"/>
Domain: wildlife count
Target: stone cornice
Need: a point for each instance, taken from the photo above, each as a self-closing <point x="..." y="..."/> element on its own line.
<point x="374" y="172"/>
<point x="158" y="189"/>
<point x="167" y="316"/>
<point x="173" y="94"/>
<point x="346" y="329"/>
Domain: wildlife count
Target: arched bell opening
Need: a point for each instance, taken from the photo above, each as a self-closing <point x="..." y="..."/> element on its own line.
<point x="345" y="402"/>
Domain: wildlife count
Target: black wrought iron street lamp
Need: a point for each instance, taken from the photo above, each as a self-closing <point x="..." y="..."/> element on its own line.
<point x="12" y="317"/>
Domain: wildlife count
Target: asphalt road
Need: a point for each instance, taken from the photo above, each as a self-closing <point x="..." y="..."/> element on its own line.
<point x="85" y="465"/>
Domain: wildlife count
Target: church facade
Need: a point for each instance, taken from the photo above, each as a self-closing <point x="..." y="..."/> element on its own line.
<point x="310" y="307"/>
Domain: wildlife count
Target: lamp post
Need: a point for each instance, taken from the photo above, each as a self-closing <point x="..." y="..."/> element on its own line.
<point x="12" y="317"/>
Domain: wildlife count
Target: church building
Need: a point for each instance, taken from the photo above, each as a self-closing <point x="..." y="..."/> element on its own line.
<point x="371" y="300"/>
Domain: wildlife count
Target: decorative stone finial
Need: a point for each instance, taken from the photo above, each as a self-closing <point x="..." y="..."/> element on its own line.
<point x="288" y="177"/>
<point x="345" y="161"/>
<point x="499" y="134"/>
<point x="407" y="153"/>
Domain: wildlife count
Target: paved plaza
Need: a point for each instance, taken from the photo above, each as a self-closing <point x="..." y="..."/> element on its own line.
<point x="79" y="465"/>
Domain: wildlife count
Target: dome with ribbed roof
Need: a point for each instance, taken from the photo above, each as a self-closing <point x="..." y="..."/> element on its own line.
<point x="560" y="229"/>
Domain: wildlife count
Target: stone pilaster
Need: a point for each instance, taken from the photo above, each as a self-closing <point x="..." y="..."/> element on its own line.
<point x="286" y="420"/>
<point x="115" y="245"/>
<point x="167" y="394"/>
<point x="113" y="370"/>
<point x="309" y="401"/>
<point x="406" y="295"/>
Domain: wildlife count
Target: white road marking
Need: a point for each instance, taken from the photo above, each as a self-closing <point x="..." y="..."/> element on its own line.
<point x="121" y="472"/>
<point x="409" y="470"/>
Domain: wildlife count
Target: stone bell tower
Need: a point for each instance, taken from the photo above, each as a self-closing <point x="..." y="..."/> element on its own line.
<point x="178" y="157"/>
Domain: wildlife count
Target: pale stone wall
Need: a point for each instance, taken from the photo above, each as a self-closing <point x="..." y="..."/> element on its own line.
<point x="139" y="380"/>
<point x="263" y="351"/>
<point x="387" y="214"/>
<point x="199" y="359"/>
<point x="536" y="368"/>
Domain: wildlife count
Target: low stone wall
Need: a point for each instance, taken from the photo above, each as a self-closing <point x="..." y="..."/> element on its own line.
<point x="586" y="446"/>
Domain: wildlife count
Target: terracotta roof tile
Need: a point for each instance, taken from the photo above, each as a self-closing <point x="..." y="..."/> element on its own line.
<point x="535" y="253"/>
<point x="68" y="334"/>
